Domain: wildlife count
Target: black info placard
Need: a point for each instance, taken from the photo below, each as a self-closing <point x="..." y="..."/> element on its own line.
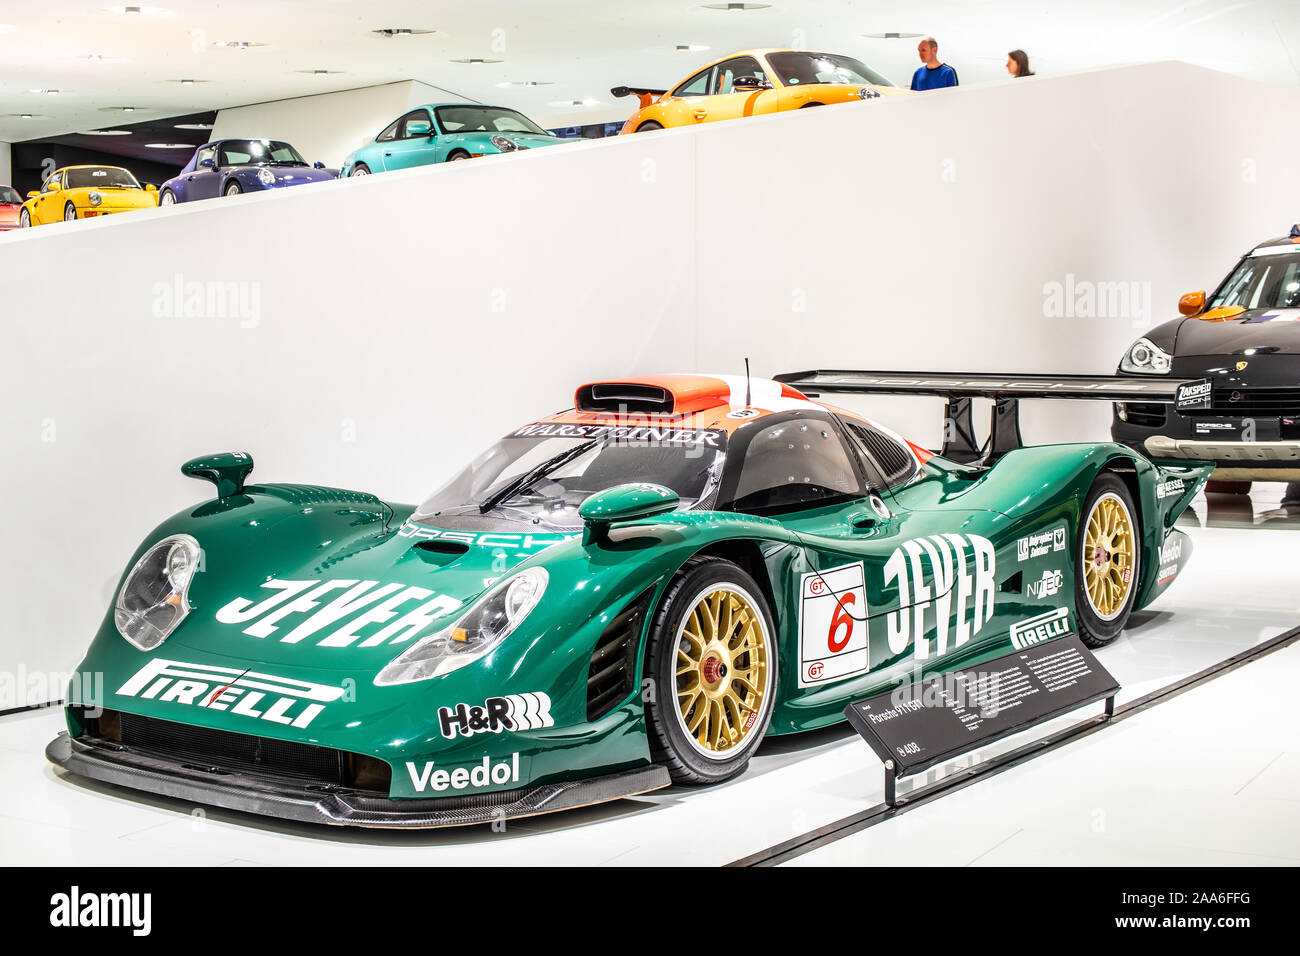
<point x="945" y="715"/>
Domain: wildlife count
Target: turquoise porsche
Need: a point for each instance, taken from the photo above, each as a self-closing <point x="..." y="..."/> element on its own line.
<point x="443" y="133"/>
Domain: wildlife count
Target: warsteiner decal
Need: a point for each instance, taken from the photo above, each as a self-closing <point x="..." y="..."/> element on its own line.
<point x="362" y="604"/>
<point x="248" y="693"/>
<point x="512" y="712"/>
<point x="625" y="434"/>
<point x="945" y="582"/>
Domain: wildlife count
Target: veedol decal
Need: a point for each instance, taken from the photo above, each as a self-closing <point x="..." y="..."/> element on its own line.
<point x="480" y="775"/>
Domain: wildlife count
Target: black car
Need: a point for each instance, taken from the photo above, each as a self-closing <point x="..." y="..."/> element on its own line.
<point x="1244" y="340"/>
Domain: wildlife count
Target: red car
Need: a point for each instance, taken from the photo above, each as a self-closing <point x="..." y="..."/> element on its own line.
<point x="10" y="202"/>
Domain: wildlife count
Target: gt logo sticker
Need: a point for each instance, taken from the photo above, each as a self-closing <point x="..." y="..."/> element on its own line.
<point x="249" y="693"/>
<point x="513" y="712"/>
<point x="959" y="587"/>
<point x="832" y="625"/>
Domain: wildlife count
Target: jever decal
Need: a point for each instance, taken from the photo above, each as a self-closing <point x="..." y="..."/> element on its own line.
<point x="945" y="584"/>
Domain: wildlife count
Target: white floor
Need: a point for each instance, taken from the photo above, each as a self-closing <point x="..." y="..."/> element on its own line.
<point x="1210" y="777"/>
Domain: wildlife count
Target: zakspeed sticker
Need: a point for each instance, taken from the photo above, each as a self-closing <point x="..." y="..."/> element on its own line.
<point x="1194" y="395"/>
<point x="832" y="625"/>
<point x="1040" y="543"/>
<point x="438" y="779"/>
<point x="248" y="693"/>
<point x="1040" y="627"/>
<point x="362" y="604"/>
<point x="512" y="712"/>
<point x="960" y="587"/>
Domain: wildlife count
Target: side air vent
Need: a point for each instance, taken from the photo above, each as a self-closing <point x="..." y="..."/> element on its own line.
<point x="624" y="397"/>
<point x="894" y="460"/>
<point x="612" y="676"/>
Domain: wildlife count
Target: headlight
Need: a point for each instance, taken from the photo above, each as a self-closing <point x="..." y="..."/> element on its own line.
<point x="1146" y="358"/>
<point x="95" y="198"/>
<point x="485" y="625"/>
<point x="154" y="596"/>
<point x="266" y="177"/>
<point x="503" y="144"/>
<point x="867" y="93"/>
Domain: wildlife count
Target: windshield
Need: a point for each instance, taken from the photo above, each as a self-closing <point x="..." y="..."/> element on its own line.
<point x="1262" y="282"/>
<point x="9" y="194"/>
<point x="100" y="176"/>
<point x="800" y="69"/>
<point x="485" y="119"/>
<point x="257" y="152"/>
<point x="686" y="460"/>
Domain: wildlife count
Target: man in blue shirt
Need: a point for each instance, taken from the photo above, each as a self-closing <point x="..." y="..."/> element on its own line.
<point x="932" y="75"/>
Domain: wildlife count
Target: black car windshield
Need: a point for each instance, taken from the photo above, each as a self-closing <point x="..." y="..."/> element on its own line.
<point x="82" y="177"/>
<point x="485" y="119"/>
<point x="688" y="461"/>
<point x="9" y="194"/>
<point x="1270" y="281"/>
<point x="800" y="69"/>
<point x="258" y="152"/>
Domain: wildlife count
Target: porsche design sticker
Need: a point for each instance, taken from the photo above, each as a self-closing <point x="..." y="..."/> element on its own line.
<point x="353" y="606"/>
<point x="248" y="693"/>
<point x="512" y="712"/>
<point x="832" y="625"/>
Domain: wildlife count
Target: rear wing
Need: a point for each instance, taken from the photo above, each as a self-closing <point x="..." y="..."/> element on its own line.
<point x="958" y="389"/>
<point x="645" y="96"/>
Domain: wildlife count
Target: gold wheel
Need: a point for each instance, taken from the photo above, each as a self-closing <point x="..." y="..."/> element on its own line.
<point x="1109" y="557"/>
<point x="721" y="670"/>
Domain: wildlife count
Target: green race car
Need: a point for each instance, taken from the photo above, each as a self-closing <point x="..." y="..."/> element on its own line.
<point x="624" y="595"/>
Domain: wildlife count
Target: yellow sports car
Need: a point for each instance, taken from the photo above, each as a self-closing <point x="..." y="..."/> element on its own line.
<point x="754" y="82"/>
<point x="81" y="192"/>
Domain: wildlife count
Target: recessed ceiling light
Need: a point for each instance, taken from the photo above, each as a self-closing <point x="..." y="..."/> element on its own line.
<point x="120" y="109"/>
<point x="573" y="104"/>
<point x="187" y="81"/>
<point x="25" y="116"/>
<point x="509" y="83"/>
<point x="396" y="32"/>
<point x="691" y="47"/>
<point x="892" y="36"/>
<point x="139" y="11"/>
<point x="193" y="126"/>
<point x="45" y="92"/>
<point x="169" y="145"/>
<point x="476" y="60"/>
<point x="321" y="73"/>
<point x="106" y="132"/>
<point x="735" y="7"/>
<point x="237" y="44"/>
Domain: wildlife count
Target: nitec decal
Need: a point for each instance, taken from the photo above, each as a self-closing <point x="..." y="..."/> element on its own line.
<point x="946" y="582"/>
<point x="344" y="617"/>
<point x="247" y="693"/>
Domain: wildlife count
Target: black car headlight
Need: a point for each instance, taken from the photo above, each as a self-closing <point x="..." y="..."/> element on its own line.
<point x="1146" y="358"/>
<point x="154" y="597"/>
<point x="503" y="144"/>
<point x="478" y="631"/>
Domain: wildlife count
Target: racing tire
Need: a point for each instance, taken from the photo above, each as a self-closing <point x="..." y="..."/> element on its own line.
<point x="360" y="169"/>
<point x="168" y="198"/>
<point x="712" y="660"/>
<point x="457" y="156"/>
<point x="232" y="189"/>
<point x="648" y="126"/>
<point x="24" y="220"/>
<point x="1109" y="561"/>
<point x="69" y="213"/>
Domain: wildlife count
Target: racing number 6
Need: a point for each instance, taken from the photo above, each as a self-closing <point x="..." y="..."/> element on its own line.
<point x="841" y="618"/>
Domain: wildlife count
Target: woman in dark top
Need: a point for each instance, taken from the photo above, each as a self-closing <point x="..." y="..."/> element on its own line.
<point x="1018" y="64"/>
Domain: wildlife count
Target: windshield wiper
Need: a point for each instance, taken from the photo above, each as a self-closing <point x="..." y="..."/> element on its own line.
<point x="512" y="488"/>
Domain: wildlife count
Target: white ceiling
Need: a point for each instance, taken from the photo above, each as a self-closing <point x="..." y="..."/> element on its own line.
<point x="582" y="47"/>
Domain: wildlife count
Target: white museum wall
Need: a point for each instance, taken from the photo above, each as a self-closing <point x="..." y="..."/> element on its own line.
<point x="327" y="126"/>
<point x="395" y="325"/>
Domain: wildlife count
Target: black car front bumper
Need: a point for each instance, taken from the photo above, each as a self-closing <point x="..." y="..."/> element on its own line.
<point x="295" y="799"/>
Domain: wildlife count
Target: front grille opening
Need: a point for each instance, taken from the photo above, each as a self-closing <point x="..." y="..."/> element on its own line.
<point x="1247" y="402"/>
<point x="1146" y="414"/>
<point x="612" y="675"/>
<point x="203" y="747"/>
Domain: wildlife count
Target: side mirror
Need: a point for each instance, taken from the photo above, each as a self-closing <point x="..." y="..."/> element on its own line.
<point x="227" y="470"/>
<point x="318" y="164"/>
<point x="208" y="163"/>
<point x="414" y="130"/>
<point x="150" y="188"/>
<point x="1192" y="303"/>
<point x="33" y="194"/>
<point x="749" y="84"/>
<point x="628" y="502"/>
